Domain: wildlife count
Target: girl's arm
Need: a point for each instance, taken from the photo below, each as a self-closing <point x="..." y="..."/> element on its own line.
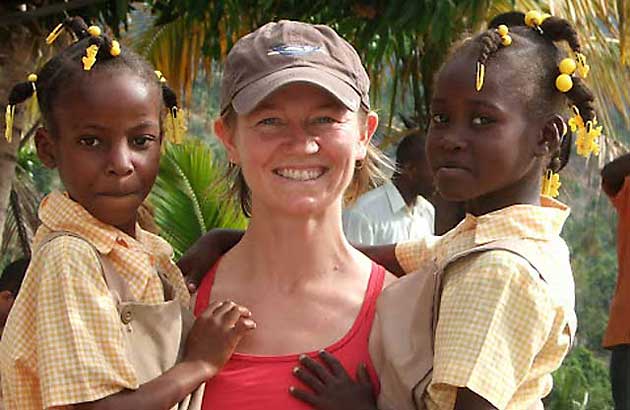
<point x="469" y="400"/>
<point x="210" y="344"/>
<point x="614" y="173"/>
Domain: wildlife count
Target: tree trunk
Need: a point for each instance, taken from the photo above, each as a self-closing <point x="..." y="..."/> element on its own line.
<point x="16" y="62"/>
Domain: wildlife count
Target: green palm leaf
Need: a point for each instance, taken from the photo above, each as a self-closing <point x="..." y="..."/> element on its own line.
<point x="188" y="196"/>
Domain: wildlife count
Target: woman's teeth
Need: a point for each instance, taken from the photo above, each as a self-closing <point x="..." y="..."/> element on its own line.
<point x="300" y="174"/>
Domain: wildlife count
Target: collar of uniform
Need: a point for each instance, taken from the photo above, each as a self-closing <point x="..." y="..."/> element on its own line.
<point x="396" y="201"/>
<point x="538" y="222"/>
<point x="60" y="213"/>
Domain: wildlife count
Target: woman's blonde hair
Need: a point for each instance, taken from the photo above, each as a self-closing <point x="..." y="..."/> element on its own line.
<point x="368" y="173"/>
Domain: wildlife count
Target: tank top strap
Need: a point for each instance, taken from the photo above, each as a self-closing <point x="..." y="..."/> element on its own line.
<point x="375" y="286"/>
<point x="205" y="289"/>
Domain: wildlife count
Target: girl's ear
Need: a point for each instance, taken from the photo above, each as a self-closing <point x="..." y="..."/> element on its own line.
<point x="46" y="148"/>
<point x="371" y="124"/>
<point x="550" y="136"/>
<point x="226" y="135"/>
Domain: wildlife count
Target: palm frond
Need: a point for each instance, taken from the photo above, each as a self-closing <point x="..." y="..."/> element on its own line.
<point x="188" y="196"/>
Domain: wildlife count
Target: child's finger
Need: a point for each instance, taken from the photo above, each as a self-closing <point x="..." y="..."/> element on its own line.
<point x="231" y="317"/>
<point x="304" y="396"/>
<point x="363" y="377"/>
<point x="223" y="307"/>
<point x="320" y="371"/>
<point x="333" y="364"/>
<point x="209" y="310"/>
<point x="308" y="379"/>
<point x="242" y="326"/>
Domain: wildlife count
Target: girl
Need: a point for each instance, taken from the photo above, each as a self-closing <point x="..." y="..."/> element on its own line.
<point x="101" y="316"/>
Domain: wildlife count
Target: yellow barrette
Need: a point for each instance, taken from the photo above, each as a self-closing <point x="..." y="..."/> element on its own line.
<point x="551" y="184"/>
<point x="582" y="67"/>
<point x="9" y="116"/>
<point x="160" y="76"/>
<point x="90" y="57"/>
<point x="481" y="73"/>
<point x="175" y="127"/>
<point x="54" y="34"/>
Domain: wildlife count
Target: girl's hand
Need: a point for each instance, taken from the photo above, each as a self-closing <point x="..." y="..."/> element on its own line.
<point x="216" y="333"/>
<point x="333" y="389"/>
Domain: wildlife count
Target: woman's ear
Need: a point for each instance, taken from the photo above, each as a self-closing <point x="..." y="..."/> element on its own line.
<point x="550" y="136"/>
<point x="46" y="148"/>
<point x="371" y="124"/>
<point x="225" y="133"/>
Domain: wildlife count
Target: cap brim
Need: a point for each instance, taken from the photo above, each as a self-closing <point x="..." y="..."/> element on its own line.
<point x="249" y="97"/>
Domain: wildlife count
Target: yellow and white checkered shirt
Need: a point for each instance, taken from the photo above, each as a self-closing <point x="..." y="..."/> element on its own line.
<point x="63" y="341"/>
<point x="501" y="329"/>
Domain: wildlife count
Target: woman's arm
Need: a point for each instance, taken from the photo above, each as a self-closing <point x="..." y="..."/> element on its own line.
<point x="614" y="173"/>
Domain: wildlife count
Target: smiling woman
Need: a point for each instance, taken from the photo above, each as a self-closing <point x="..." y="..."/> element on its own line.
<point x="296" y="123"/>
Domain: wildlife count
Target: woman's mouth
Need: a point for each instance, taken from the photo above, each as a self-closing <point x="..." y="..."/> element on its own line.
<point x="302" y="174"/>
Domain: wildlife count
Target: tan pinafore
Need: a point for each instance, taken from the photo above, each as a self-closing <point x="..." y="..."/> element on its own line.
<point x="405" y="363"/>
<point x="154" y="334"/>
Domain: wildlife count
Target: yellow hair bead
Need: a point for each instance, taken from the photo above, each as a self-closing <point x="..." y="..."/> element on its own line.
<point x="54" y="34"/>
<point x="94" y="31"/>
<point x="9" y="116"/>
<point x="32" y="77"/>
<point x="533" y="18"/>
<point x="567" y="66"/>
<point x="90" y="57"/>
<point x="506" y="40"/>
<point x="115" y="50"/>
<point x="564" y="83"/>
<point x="502" y="30"/>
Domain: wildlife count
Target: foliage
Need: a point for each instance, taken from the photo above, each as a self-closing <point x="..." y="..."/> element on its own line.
<point x="581" y="384"/>
<point x="188" y="195"/>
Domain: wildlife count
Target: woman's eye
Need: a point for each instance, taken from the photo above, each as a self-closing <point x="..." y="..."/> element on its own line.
<point x="439" y="118"/>
<point x="269" y="121"/>
<point x="89" y="141"/>
<point x="324" y="120"/>
<point x="481" y="120"/>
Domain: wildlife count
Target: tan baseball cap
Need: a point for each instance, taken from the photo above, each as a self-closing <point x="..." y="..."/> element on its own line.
<point x="286" y="52"/>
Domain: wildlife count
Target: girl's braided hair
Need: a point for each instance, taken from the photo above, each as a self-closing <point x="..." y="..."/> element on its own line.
<point x="540" y="57"/>
<point x="67" y="68"/>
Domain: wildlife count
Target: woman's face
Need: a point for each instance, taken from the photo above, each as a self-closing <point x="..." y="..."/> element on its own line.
<point x="297" y="149"/>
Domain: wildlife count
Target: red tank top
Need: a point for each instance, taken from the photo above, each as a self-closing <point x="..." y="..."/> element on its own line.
<point x="249" y="382"/>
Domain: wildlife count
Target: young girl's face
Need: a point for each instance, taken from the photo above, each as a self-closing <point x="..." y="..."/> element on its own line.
<point x="481" y="144"/>
<point x="106" y="144"/>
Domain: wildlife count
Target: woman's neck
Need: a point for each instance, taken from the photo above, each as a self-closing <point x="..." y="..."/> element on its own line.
<point x="295" y="249"/>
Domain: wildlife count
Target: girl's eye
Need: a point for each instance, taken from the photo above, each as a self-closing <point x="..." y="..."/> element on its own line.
<point x="481" y="120"/>
<point x="89" y="141"/>
<point x="439" y="118"/>
<point x="143" y="140"/>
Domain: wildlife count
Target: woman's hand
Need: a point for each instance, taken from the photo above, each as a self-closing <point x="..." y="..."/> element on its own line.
<point x="332" y="387"/>
<point x="216" y="333"/>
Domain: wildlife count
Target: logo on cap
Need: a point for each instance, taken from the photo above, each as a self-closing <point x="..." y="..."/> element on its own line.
<point x="293" y="50"/>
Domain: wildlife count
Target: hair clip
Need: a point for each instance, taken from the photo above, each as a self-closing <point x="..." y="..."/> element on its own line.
<point x="90" y="57"/>
<point x="160" y="76"/>
<point x="9" y="117"/>
<point x="54" y="34"/>
<point x="551" y="184"/>
<point x="582" y="67"/>
<point x="481" y="73"/>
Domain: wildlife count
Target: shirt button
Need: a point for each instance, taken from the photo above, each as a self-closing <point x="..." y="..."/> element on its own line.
<point x="126" y="316"/>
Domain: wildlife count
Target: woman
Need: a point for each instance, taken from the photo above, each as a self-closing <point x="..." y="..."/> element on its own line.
<point x="297" y="126"/>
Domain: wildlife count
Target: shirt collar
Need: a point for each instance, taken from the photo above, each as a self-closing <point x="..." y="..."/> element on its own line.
<point x="60" y="213"/>
<point x="396" y="201"/>
<point x="538" y="222"/>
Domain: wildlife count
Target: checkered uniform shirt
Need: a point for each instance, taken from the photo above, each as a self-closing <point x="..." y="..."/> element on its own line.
<point x="63" y="342"/>
<point x="501" y="329"/>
